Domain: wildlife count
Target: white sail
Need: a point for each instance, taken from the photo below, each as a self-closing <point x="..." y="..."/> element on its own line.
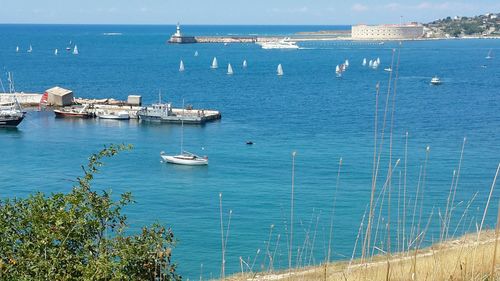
<point x="489" y="55"/>
<point x="375" y="64"/>
<point x="229" y="69"/>
<point x="30" y="49"/>
<point x="279" y="70"/>
<point x="364" y="61"/>
<point x="181" y="66"/>
<point x="196" y="53"/>
<point x="346" y="63"/>
<point x="56" y="52"/>
<point x="245" y="64"/>
<point x="378" y="60"/>
<point x="214" y="63"/>
<point x="370" y="64"/>
<point x="75" y="50"/>
<point x="337" y="69"/>
<point x="17" y="49"/>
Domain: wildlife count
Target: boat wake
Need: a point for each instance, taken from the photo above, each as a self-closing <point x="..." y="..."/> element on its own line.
<point x="112" y="33"/>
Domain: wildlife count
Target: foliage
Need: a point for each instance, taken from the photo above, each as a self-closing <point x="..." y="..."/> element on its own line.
<point x="80" y="236"/>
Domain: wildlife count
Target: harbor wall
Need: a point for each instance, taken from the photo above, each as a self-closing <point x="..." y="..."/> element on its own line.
<point x="25" y="99"/>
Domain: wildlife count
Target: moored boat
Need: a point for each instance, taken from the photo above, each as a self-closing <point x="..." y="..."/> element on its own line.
<point x="186" y="158"/>
<point x="121" y="115"/>
<point x="73" y="112"/>
<point x="11" y="114"/>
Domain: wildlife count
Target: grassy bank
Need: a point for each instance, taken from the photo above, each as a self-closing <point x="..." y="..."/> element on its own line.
<point x="467" y="258"/>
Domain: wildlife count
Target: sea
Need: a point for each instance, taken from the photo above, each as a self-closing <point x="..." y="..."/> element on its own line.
<point x="308" y="111"/>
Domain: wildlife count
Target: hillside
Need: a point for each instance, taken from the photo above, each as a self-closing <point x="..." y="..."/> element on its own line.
<point x="483" y="25"/>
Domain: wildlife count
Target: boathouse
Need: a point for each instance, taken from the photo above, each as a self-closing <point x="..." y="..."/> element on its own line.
<point x="59" y="96"/>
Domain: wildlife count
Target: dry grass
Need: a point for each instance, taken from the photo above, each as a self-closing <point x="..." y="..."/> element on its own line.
<point x="451" y="260"/>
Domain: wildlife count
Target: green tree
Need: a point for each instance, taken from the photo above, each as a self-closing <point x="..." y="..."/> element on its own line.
<point x="80" y="236"/>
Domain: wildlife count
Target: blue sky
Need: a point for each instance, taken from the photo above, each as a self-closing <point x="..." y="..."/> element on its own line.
<point x="236" y="11"/>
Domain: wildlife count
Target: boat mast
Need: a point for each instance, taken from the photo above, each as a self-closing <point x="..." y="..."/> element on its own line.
<point x="182" y="127"/>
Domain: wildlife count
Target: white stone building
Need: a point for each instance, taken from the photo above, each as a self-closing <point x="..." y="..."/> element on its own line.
<point x="387" y="31"/>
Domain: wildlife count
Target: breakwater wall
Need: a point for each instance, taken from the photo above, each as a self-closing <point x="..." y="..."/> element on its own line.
<point x="25" y="99"/>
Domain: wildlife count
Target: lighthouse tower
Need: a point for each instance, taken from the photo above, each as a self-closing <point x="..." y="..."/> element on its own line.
<point x="178" y="38"/>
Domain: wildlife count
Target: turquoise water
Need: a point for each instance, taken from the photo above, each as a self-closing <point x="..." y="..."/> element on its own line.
<point x="307" y="110"/>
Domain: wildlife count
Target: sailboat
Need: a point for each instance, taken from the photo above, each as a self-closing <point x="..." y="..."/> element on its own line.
<point x="364" y="62"/>
<point x="378" y="61"/>
<point x="245" y="64"/>
<point x="75" y="50"/>
<point x="338" y="71"/>
<point x="30" y="49"/>
<point x="370" y="64"/>
<point x="17" y="49"/>
<point x="279" y="70"/>
<point x="229" y="69"/>
<point x="375" y="64"/>
<point x="214" y="64"/>
<point x="488" y="57"/>
<point x="346" y="63"/>
<point x="181" y="66"/>
<point x="185" y="158"/>
<point x="56" y="52"/>
<point x="196" y="53"/>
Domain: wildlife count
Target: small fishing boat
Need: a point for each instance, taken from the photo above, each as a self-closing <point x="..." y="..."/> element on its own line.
<point x="72" y="113"/>
<point x="229" y="69"/>
<point x="279" y="70"/>
<point x="214" y="65"/>
<point x="435" y="81"/>
<point x="75" y="50"/>
<point x="249" y="142"/>
<point x="181" y="66"/>
<point x="121" y="115"/>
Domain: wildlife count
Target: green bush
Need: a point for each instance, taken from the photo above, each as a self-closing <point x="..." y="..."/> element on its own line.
<point x="80" y="236"/>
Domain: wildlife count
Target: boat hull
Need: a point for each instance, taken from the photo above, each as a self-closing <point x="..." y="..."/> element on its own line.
<point x="188" y="162"/>
<point x="171" y="119"/>
<point x="10" y="122"/>
<point x="113" y="117"/>
<point x="62" y="114"/>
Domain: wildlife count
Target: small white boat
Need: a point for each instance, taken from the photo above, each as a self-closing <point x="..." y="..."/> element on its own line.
<point x="370" y="64"/>
<point x="121" y="115"/>
<point x="281" y="44"/>
<point x="75" y="50"/>
<point x="56" y="52"/>
<point x="375" y="64"/>
<point x="245" y="64"/>
<point x="214" y="63"/>
<point x="186" y="158"/>
<point x="346" y="63"/>
<point x="364" y="62"/>
<point x="181" y="66"/>
<point x="229" y="69"/>
<point x="378" y="60"/>
<point x="435" y="81"/>
<point x="388" y="69"/>
<point x="279" y="70"/>
<point x="196" y="53"/>
<point x="30" y="49"/>
<point x="17" y="49"/>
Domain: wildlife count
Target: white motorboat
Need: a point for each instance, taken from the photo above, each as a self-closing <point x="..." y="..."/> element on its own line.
<point x="435" y="81"/>
<point x="121" y="115"/>
<point x="186" y="158"/>
<point x="281" y="44"/>
<point x="388" y="69"/>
